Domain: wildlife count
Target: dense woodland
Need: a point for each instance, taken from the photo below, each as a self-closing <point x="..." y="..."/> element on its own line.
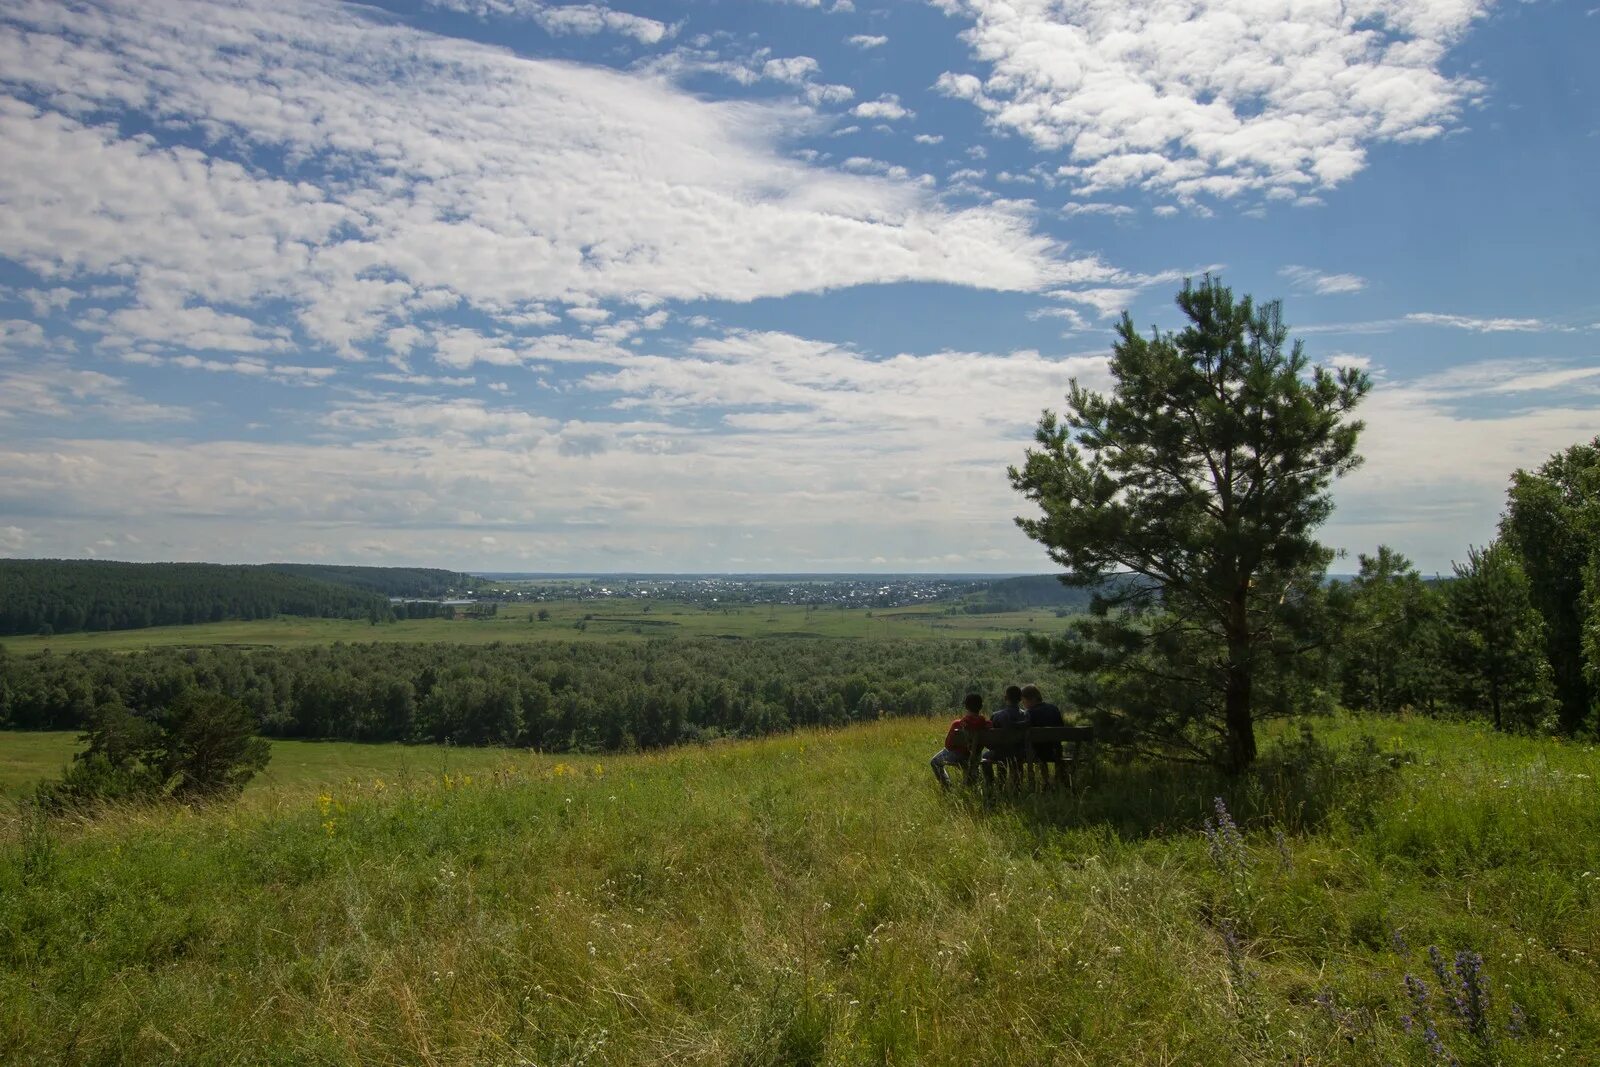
<point x="67" y="596"/>
<point x="384" y="581"/>
<point x="558" y="697"/>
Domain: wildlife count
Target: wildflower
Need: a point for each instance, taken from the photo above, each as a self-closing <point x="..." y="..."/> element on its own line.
<point x="1472" y="1000"/>
<point x="1518" y="1024"/>
<point x="1224" y="842"/>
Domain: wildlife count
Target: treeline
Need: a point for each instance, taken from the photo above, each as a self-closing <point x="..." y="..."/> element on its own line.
<point x="1515" y="634"/>
<point x="53" y="596"/>
<point x="555" y="697"/>
<point x="66" y="596"/>
<point x="385" y="581"/>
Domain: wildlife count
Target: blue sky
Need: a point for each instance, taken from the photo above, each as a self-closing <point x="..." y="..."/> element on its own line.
<point x="752" y="285"/>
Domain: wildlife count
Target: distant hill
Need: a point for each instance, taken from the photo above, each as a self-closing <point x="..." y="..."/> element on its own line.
<point x="387" y="581"/>
<point x="69" y="595"/>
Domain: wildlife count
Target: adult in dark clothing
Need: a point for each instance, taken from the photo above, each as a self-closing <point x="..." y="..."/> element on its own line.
<point x="1042" y="713"/>
<point x="1008" y="716"/>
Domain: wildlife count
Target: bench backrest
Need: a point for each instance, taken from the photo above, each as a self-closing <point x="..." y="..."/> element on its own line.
<point x="1014" y="738"/>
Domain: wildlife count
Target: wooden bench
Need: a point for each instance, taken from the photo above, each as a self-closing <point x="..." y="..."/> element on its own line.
<point x="1017" y="748"/>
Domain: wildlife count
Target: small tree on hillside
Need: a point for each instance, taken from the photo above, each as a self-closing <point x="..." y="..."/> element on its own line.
<point x="1497" y="641"/>
<point x="1203" y="474"/>
<point x="203" y="745"/>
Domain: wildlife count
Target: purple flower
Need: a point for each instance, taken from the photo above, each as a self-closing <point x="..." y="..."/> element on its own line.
<point x="1472" y="998"/>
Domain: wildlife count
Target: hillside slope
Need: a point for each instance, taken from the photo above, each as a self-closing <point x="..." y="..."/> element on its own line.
<point x="814" y="899"/>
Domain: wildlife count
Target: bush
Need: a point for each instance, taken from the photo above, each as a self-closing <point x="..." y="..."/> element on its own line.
<point x="201" y="746"/>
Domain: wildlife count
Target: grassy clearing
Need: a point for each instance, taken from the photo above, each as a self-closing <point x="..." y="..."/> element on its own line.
<point x="624" y="620"/>
<point x="814" y="899"/>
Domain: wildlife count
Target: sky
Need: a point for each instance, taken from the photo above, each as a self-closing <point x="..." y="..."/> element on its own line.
<point x="753" y="285"/>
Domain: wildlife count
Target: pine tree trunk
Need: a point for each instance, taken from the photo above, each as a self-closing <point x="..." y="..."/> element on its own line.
<point x="1236" y="696"/>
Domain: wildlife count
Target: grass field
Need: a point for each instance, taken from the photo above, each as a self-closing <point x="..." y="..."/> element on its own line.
<point x="599" y="621"/>
<point x="297" y="766"/>
<point x="814" y="899"/>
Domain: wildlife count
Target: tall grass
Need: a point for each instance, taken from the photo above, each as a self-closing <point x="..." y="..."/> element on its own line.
<point x="816" y="899"/>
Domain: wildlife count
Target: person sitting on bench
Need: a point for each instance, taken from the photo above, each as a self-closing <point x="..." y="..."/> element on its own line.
<point x="1009" y="716"/>
<point x="956" y="739"/>
<point x="1041" y="713"/>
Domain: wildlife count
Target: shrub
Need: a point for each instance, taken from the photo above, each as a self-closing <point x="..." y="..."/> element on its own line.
<point x="200" y="746"/>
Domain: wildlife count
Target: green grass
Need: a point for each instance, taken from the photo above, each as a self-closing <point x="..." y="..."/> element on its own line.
<point x="620" y="620"/>
<point x="810" y="899"/>
<point x="27" y="758"/>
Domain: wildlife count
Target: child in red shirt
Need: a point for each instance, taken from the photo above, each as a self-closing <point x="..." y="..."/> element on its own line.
<point x="956" y="744"/>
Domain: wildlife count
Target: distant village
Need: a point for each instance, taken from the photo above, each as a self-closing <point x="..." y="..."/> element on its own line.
<point x="845" y="591"/>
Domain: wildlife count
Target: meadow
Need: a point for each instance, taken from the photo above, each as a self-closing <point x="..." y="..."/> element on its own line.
<point x="30" y="756"/>
<point x="570" y="620"/>
<point x="814" y="898"/>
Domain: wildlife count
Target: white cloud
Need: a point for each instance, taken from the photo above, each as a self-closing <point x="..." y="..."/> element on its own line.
<point x="50" y="389"/>
<point x="887" y="108"/>
<point x="1110" y="290"/>
<point x="867" y="40"/>
<point x="21" y="333"/>
<point x="929" y="138"/>
<point x="1323" y="284"/>
<point x="1112" y="210"/>
<point x="1438" y="461"/>
<point x="584" y="19"/>
<point x="1216" y="97"/>
<point x="774" y="448"/>
<point x="1480" y="325"/>
<point x="464" y="172"/>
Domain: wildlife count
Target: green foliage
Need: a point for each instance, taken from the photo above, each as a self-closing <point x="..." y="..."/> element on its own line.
<point x="201" y="746"/>
<point x="386" y="581"/>
<point x="1389" y="636"/>
<point x="54" y="596"/>
<point x="208" y="746"/>
<point x="1204" y="474"/>
<point x="1552" y="523"/>
<point x="1496" y="641"/>
<point x="585" y="697"/>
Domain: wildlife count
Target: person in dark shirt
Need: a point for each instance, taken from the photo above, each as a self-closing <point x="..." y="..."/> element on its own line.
<point x="1007" y="716"/>
<point x="956" y="748"/>
<point x="1042" y="713"/>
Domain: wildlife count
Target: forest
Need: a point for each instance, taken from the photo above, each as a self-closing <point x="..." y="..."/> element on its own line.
<point x="552" y="696"/>
<point x="68" y="596"/>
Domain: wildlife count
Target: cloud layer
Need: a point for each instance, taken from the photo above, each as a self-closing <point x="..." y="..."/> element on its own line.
<point x="1215" y="98"/>
<point x="417" y="167"/>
